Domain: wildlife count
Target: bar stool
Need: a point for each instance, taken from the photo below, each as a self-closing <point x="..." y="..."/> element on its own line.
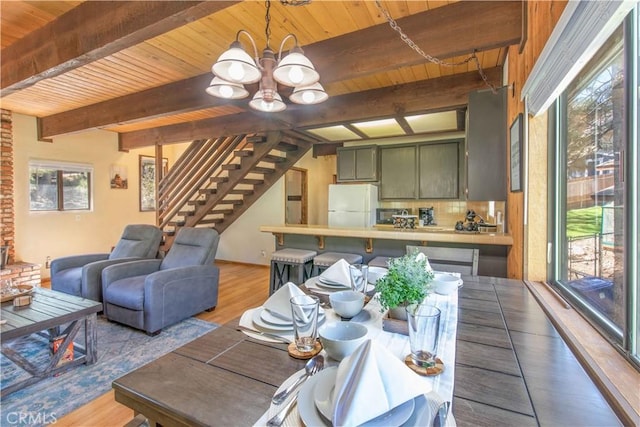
<point x="327" y="259"/>
<point x="380" y="261"/>
<point x="283" y="260"/>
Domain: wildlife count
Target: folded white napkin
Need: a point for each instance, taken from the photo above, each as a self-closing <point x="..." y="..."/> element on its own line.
<point x="371" y="382"/>
<point x="422" y="256"/>
<point x="338" y="273"/>
<point x="279" y="303"/>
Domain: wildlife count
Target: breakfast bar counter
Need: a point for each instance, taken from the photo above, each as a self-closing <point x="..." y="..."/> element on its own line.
<point x="420" y="234"/>
<point x="386" y="241"/>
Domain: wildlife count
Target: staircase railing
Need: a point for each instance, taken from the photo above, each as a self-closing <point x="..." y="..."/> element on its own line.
<point x="202" y="160"/>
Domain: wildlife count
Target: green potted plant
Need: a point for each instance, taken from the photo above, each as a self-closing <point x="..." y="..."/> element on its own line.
<point x="408" y="281"/>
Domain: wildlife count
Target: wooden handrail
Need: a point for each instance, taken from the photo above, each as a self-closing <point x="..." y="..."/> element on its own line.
<point x="193" y="163"/>
<point x="198" y="167"/>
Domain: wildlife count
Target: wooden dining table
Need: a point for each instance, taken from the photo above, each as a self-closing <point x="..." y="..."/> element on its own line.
<point x="221" y="378"/>
<point x="502" y="373"/>
<point x="228" y="378"/>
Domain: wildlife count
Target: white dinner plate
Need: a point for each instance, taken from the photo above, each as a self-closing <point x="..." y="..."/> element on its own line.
<point x="310" y="416"/>
<point x="273" y="319"/>
<point x="330" y="289"/>
<point x="323" y="392"/>
<point x="333" y="287"/>
<point x="261" y="324"/>
<point x="330" y="282"/>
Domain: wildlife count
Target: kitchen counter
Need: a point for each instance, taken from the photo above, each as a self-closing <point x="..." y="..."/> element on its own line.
<point x="387" y="232"/>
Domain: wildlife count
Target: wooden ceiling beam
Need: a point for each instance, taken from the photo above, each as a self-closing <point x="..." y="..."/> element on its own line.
<point x="91" y="31"/>
<point x="427" y="95"/>
<point x="445" y="32"/>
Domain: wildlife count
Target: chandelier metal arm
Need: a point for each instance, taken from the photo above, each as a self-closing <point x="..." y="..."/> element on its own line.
<point x="253" y="43"/>
<point x="287" y="37"/>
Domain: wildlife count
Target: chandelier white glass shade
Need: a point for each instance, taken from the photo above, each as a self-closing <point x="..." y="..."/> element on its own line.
<point x="226" y="89"/>
<point x="312" y="94"/>
<point x="235" y="68"/>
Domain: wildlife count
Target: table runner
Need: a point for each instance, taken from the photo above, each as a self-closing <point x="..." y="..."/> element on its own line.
<point x="398" y="344"/>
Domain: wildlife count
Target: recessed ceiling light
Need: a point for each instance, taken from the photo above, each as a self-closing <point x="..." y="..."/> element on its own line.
<point x="380" y="128"/>
<point x="335" y="133"/>
<point x="433" y="122"/>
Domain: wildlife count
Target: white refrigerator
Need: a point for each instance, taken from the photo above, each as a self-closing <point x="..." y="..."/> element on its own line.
<point x="352" y="205"/>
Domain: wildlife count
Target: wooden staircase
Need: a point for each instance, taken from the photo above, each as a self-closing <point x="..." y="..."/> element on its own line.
<point x="217" y="180"/>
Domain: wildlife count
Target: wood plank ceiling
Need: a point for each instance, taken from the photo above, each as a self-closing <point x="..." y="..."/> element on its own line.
<point x="140" y="68"/>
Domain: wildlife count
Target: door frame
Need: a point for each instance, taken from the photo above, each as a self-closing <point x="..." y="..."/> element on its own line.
<point x="304" y="217"/>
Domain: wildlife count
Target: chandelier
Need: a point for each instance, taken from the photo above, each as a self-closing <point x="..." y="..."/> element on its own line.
<point x="236" y="68"/>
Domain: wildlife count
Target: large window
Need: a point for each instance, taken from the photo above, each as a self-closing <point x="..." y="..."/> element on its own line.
<point x="596" y="257"/>
<point x="55" y="186"/>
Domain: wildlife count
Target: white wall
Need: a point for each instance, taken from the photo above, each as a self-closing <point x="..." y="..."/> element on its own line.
<point x="244" y="242"/>
<point x="56" y="234"/>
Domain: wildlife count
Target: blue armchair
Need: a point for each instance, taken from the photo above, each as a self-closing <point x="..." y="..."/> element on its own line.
<point x="81" y="275"/>
<point x="153" y="294"/>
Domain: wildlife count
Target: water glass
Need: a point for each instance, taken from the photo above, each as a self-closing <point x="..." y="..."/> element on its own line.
<point x="424" y="328"/>
<point x="359" y="273"/>
<point x="304" y="312"/>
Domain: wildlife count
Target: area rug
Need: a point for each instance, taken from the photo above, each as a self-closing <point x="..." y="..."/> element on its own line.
<point x="120" y="350"/>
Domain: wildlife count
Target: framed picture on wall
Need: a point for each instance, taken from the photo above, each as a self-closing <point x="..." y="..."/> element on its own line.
<point x="118" y="177"/>
<point x="515" y="141"/>
<point x="148" y="181"/>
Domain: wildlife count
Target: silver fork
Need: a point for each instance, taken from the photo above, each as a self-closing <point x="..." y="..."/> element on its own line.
<point x="315" y="364"/>
<point x="278" y="419"/>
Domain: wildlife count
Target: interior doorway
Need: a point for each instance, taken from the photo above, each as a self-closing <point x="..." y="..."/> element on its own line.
<point x="295" y="190"/>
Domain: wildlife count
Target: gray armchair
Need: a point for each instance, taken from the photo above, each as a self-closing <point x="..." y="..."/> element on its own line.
<point x="153" y="294"/>
<point x="81" y="275"/>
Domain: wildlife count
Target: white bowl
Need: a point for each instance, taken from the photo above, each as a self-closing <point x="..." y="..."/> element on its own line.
<point x="340" y="339"/>
<point x="444" y="284"/>
<point x="347" y="303"/>
<point x="376" y="273"/>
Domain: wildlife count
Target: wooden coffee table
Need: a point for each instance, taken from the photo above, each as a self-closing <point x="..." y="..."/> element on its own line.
<point x="46" y="315"/>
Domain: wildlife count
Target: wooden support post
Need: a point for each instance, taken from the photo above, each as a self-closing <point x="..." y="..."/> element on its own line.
<point x="368" y="245"/>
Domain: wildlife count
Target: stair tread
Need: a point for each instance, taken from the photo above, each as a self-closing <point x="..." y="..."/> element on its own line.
<point x="251" y="181"/>
<point x="273" y="158"/>
<point x="262" y="170"/>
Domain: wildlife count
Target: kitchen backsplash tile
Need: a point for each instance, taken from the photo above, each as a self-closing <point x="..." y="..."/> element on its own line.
<point x="447" y="213"/>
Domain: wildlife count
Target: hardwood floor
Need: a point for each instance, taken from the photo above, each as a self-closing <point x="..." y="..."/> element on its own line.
<point x="241" y="287"/>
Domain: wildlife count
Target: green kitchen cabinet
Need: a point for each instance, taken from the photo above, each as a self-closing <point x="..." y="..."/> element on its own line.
<point x="439" y="171"/>
<point x="421" y="171"/>
<point x="487" y="145"/>
<point x="398" y="172"/>
<point x="357" y="163"/>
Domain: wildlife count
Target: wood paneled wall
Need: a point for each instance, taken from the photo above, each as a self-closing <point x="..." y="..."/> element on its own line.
<point x="527" y="257"/>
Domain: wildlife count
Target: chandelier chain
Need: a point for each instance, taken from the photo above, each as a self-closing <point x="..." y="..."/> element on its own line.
<point x="295" y="2"/>
<point x="267" y="18"/>
<point x="406" y="39"/>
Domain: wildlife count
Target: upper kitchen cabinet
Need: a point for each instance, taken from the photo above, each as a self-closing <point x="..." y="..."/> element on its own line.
<point x="439" y="171"/>
<point x="420" y="171"/>
<point x="357" y="163"/>
<point x="398" y="172"/>
<point x="487" y="145"/>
